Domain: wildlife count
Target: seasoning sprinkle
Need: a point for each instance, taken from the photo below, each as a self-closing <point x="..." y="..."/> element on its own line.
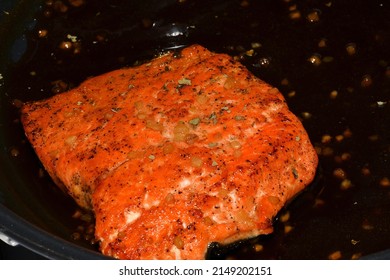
<point x="295" y="173"/>
<point x="115" y="110"/>
<point x="72" y="38"/>
<point x="195" y="121"/>
<point x="213" y="117"/>
<point x="185" y="81"/>
<point x="239" y="118"/>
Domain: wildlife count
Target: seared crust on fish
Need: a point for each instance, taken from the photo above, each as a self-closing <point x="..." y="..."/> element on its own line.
<point x="188" y="149"/>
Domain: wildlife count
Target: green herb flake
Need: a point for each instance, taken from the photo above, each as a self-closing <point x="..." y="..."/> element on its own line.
<point x="227" y="109"/>
<point x="295" y="173"/>
<point x="213" y="118"/>
<point x="195" y="121"/>
<point x="184" y="81"/>
<point x="212" y="144"/>
<point x="151" y="157"/>
<point x="116" y="110"/>
<point x="239" y="118"/>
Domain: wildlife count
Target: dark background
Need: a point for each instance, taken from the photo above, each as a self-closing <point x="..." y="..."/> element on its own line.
<point x="109" y="34"/>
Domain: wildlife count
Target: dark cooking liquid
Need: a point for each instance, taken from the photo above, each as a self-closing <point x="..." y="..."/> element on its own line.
<point x="329" y="58"/>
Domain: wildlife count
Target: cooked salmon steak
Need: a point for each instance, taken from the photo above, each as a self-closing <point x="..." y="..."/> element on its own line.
<point x="172" y="155"/>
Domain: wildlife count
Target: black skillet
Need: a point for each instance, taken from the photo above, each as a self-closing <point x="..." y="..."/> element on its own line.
<point x="331" y="60"/>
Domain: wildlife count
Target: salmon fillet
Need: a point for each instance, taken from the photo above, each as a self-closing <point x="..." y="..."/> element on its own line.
<point x="188" y="149"/>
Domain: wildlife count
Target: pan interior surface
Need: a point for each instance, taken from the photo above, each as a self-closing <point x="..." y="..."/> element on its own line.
<point x="330" y="59"/>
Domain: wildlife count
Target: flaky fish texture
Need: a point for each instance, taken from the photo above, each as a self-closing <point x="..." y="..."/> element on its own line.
<point x="187" y="149"/>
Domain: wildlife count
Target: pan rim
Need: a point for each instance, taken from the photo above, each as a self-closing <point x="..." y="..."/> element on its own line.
<point x="40" y="241"/>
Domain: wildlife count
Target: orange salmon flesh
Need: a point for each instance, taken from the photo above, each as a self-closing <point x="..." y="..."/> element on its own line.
<point x="172" y="155"/>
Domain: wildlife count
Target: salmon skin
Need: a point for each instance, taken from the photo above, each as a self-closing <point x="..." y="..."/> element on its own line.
<point x="188" y="149"/>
